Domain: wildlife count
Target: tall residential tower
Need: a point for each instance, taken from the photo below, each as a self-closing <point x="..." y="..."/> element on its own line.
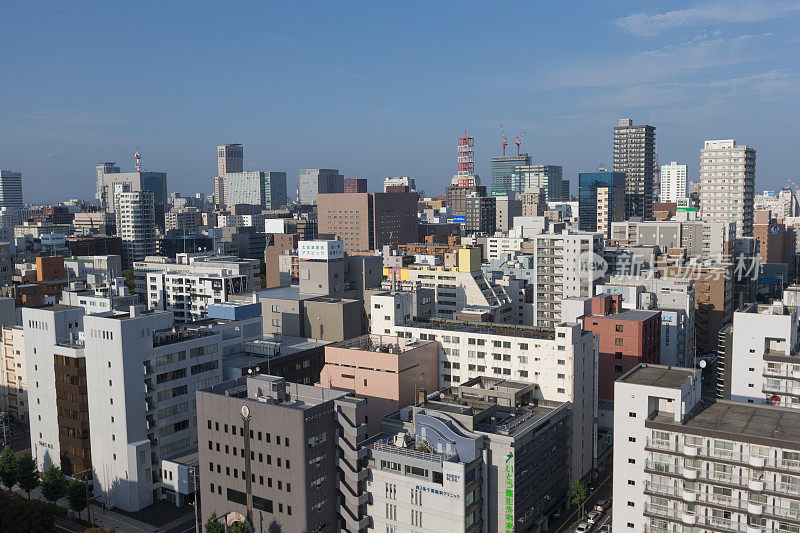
<point x="727" y="184"/>
<point x="634" y="154"/>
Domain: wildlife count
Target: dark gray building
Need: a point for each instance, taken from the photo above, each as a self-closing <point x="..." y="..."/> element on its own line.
<point x="282" y="456"/>
<point x="635" y="155"/>
<point x="481" y="215"/>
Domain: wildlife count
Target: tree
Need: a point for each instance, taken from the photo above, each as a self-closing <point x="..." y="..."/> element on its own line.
<point x="239" y="527"/>
<point x="579" y="494"/>
<point x="8" y="467"/>
<point x="76" y="494"/>
<point x="27" y="475"/>
<point x="54" y="484"/>
<point x="129" y="280"/>
<point x="212" y="526"/>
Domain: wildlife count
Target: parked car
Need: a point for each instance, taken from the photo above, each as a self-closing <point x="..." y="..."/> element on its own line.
<point x="606" y="528"/>
<point x="602" y="505"/>
<point x="593" y="517"/>
<point x="583" y="527"/>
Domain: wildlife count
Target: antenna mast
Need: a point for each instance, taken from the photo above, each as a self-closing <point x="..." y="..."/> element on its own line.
<point x="138" y="160"/>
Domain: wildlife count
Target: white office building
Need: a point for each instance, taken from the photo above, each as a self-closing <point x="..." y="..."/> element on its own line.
<point x="727" y="184"/>
<point x="673" y="182"/>
<point x="197" y="264"/>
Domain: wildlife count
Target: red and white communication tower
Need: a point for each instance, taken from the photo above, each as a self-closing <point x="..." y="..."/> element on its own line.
<point x="466" y="160"/>
<point x="138" y="160"/>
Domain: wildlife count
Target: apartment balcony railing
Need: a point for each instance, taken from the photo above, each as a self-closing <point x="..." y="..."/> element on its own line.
<point x="752" y="461"/>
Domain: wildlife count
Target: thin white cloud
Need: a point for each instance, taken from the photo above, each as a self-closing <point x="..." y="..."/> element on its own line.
<point x="341" y="72"/>
<point x="739" y="11"/>
<point x="668" y="63"/>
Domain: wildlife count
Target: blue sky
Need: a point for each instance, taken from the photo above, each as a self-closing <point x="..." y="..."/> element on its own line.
<point x="379" y="88"/>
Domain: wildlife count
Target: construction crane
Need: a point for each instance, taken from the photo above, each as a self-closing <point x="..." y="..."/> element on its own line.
<point x="91" y="220"/>
<point x="518" y="140"/>
<point x="505" y="140"/>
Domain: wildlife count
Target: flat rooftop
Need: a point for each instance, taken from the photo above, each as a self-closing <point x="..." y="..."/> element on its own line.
<point x="658" y="376"/>
<point x="381" y="343"/>
<point x="634" y="315"/>
<point x="486" y="328"/>
<point x="746" y="422"/>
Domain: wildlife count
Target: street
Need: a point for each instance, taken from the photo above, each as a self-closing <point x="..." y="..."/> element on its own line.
<point x="600" y="491"/>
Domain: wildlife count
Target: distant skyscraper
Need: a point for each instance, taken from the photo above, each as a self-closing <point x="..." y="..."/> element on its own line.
<point x="565" y="190"/>
<point x="355" y="185"/>
<point x="135" y="213"/>
<point x="727" y="184"/>
<point x="601" y="200"/>
<point x="634" y="154"/>
<point x="546" y="177"/>
<point x="267" y="189"/>
<point x="10" y="189"/>
<point x="102" y="170"/>
<point x="673" y="182"/>
<point x="314" y="181"/>
<point x="502" y="169"/>
<point x="230" y="159"/>
<point x="219" y="190"/>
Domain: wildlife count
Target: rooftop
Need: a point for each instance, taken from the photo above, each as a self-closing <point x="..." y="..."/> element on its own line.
<point x="633" y="315"/>
<point x="381" y="343"/>
<point x="750" y="421"/>
<point x="658" y="376"/>
<point x="486" y="328"/>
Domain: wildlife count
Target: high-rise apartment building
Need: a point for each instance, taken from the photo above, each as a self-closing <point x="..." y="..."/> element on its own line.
<point x="546" y="177"/>
<point x="727" y="184"/>
<point x="230" y="159"/>
<point x="601" y="200"/>
<point x="480" y="215"/>
<point x="265" y="189"/>
<point x="502" y="169"/>
<point x="219" y="190"/>
<point x="368" y="221"/>
<point x="14" y="375"/>
<point x="315" y="181"/>
<point x="273" y="452"/>
<point x="634" y="154"/>
<point x="673" y="182"/>
<point x="136" y="225"/>
<point x="534" y="202"/>
<point x="683" y="463"/>
<point x="11" y="189"/>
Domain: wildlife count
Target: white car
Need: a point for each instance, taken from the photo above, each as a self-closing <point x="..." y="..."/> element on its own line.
<point x="583" y="527"/>
<point x="593" y="517"/>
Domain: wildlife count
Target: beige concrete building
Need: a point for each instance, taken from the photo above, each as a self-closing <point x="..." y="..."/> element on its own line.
<point x="727" y="184"/>
<point x="534" y="202"/>
<point x="14" y="386"/>
<point x="389" y="372"/>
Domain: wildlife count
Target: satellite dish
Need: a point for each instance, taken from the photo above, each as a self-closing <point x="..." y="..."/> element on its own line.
<point x="702" y="363"/>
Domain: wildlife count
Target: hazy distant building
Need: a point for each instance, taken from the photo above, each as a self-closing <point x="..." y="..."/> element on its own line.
<point x="402" y="181"/>
<point x="267" y="189"/>
<point x="546" y="177"/>
<point x="503" y="167"/>
<point x="601" y="200"/>
<point x="230" y="159"/>
<point x="10" y="189"/>
<point x="507" y="206"/>
<point x="102" y="169"/>
<point x="355" y="185"/>
<point x="634" y="154"/>
<point x="727" y="184"/>
<point x="673" y="182"/>
<point x="314" y="181"/>
<point x="564" y="190"/>
<point x="155" y="182"/>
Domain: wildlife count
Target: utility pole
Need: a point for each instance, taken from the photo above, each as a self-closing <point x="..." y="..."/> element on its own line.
<point x="193" y="472"/>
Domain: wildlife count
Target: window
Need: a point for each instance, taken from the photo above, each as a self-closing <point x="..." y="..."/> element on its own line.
<point x="618" y="327"/>
<point x="631" y="415"/>
<point x="618" y="342"/>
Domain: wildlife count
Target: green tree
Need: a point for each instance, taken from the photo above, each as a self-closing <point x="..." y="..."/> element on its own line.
<point x="579" y="494"/>
<point x="27" y="475"/>
<point x="8" y="467"/>
<point x="54" y="484"/>
<point x="129" y="280"/>
<point x="76" y="494"/>
<point x="239" y="527"/>
<point x="213" y="526"/>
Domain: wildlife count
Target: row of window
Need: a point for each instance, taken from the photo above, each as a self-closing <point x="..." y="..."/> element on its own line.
<point x="266" y="437"/>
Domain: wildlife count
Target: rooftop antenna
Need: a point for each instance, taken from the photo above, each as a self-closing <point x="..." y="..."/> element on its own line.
<point x="505" y="140"/>
<point x="138" y="160"/>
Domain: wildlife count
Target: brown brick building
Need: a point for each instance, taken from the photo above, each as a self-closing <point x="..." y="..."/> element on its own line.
<point x="626" y="339"/>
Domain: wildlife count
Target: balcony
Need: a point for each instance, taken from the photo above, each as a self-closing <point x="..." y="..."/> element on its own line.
<point x="744" y="459"/>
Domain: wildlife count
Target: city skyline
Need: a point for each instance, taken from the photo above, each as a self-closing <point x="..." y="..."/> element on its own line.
<point x="397" y="106"/>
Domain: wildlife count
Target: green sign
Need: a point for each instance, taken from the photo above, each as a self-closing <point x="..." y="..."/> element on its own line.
<point x="499" y="193"/>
